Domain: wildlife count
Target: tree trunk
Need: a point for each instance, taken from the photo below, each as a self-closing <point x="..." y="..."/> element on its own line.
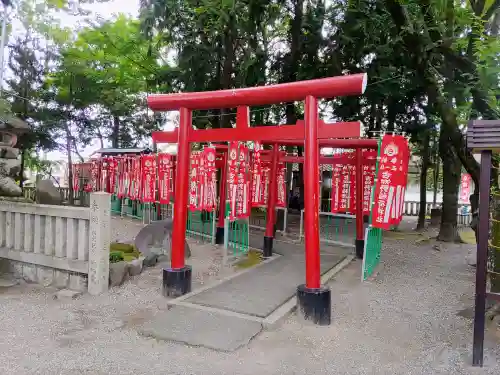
<point x="69" y="137"/>
<point x="494" y="250"/>
<point x="423" y="182"/>
<point x="437" y="167"/>
<point x="451" y="181"/>
<point x="115" y="135"/>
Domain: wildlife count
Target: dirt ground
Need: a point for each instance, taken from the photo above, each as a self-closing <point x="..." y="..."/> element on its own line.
<point x="408" y="320"/>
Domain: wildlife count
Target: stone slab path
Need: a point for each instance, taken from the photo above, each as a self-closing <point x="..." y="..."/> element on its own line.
<point x="262" y="290"/>
<point x="229" y="314"/>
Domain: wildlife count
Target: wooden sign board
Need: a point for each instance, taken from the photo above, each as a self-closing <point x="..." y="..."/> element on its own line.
<point x="483" y="135"/>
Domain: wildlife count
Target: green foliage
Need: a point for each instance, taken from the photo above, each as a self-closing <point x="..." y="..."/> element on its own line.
<point x="115" y="257"/>
<point x="107" y="70"/>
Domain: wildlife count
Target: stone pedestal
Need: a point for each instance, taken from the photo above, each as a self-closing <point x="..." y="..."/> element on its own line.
<point x="99" y="242"/>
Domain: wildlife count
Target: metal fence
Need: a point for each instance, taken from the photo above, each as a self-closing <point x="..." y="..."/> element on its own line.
<point x="464" y="216"/>
<point x="258" y="218"/>
<point x="335" y="229"/>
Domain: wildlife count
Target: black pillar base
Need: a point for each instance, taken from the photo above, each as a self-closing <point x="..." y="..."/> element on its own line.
<point x="314" y="305"/>
<point x="176" y="282"/>
<point x="219" y="236"/>
<point x="360" y="247"/>
<point x="268" y="247"/>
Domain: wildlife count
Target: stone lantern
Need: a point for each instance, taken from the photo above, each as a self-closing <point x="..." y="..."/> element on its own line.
<point x="10" y="165"/>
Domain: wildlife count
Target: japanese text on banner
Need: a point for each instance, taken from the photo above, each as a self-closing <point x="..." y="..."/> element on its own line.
<point x="148" y="167"/>
<point x="193" y="182"/>
<point x="281" y="201"/>
<point x="232" y="182"/>
<point x="211" y="179"/>
<point x="257" y="177"/>
<point x="391" y="182"/>
<point x="164" y="178"/>
<point x="242" y="199"/>
<point x="465" y="188"/>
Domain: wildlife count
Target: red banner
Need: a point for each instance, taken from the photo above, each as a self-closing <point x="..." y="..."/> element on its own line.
<point x="243" y="185"/>
<point x="343" y="196"/>
<point x="95" y="170"/>
<point x="105" y="175"/>
<point x="369" y="159"/>
<point x="281" y="201"/>
<point x="76" y="177"/>
<point x="465" y="188"/>
<point x="352" y="188"/>
<point x="193" y="203"/>
<point x="123" y="177"/>
<point x="391" y="182"/>
<point x="266" y="175"/>
<point x="113" y="172"/>
<point x="164" y="178"/>
<point x="257" y="177"/>
<point x="368" y="180"/>
<point x="210" y="179"/>
<point x="134" y="177"/>
<point x="232" y="182"/>
<point x="148" y="178"/>
<point x="336" y="188"/>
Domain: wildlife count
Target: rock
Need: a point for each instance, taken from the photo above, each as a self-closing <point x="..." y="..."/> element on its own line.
<point x="8" y="187"/>
<point x="47" y="193"/>
<point x="157" y="235"/>
<point x="135" y="266"/>
<point x="117" y="273"/>
<point x="67" y="294"/>
<point x="10" y="167"/>
<point x="150" y="260"/>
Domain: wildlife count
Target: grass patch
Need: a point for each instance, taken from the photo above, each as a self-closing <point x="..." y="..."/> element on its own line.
<point x="467" y="236"/>
<point x="253" y="258"/>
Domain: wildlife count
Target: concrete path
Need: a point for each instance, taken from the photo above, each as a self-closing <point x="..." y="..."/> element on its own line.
<point x="262" y="290"/>
<point x="228" y="315"/>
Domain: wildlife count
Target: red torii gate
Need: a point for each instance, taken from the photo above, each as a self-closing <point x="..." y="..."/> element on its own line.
<point x="314" y="300"/>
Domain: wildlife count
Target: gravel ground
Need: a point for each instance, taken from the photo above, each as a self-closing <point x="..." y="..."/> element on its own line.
<point x="404" y="321"/>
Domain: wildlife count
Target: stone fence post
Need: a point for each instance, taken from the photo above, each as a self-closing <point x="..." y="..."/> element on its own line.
<point x="99" y="241"/>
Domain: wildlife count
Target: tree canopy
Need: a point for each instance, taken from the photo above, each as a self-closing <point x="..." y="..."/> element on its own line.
<point x="433" y="65"/>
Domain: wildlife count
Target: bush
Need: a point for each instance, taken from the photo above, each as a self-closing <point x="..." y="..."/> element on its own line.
<point x="115" y="256"/>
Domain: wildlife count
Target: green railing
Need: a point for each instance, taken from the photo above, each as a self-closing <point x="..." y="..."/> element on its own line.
<point x="236" y="236"/>
<point x="200" y="225"/>
<point x="373" y="236"/>
<point x="373" y="247"/>
<point x="116" y="205"/>
<point x="334" y="228"/>
<point x="162" y="211"/>
<point x="258" y="218"/>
